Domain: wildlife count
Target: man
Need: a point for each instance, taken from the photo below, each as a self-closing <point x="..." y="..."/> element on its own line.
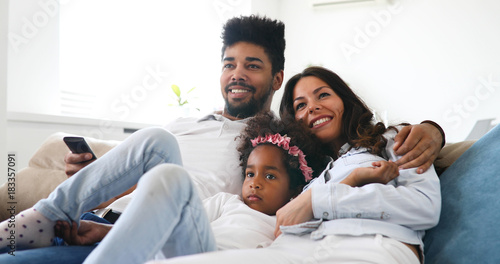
<point x="253" y="63"/>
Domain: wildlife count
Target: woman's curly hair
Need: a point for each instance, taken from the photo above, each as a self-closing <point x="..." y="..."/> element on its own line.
<point x="267" y="124"/>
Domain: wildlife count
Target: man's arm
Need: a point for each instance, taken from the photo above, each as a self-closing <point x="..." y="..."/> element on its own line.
<point x="419" y="145"/>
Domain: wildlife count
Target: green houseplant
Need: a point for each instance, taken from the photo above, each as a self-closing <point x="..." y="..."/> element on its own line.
<point x="180" y="97"/>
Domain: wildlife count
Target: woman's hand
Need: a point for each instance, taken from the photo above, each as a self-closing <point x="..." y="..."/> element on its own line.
<point x="298" y="210"/>
<point x="420" y="145"/>
<point x="75" y="162"/>
<point x="381" y="172"/>
<point x="90" y="232"/>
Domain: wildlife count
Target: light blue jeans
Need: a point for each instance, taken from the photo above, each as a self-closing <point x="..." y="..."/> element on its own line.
<point x="110" y="175"/>
<point x="165" y="214"/>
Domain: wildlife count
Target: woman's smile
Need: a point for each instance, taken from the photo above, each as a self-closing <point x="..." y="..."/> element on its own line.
<point x="320" y="121"/>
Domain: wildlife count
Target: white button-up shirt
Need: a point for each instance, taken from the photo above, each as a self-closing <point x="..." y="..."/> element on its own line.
<point x="401" y="209"/>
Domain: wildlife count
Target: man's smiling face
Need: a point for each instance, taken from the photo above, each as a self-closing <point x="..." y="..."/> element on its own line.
<point x="247" y="82"/>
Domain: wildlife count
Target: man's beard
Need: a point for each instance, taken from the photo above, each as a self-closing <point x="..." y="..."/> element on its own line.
<point x="249" y="108"/>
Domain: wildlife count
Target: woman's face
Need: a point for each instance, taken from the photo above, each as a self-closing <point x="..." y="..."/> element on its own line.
<point x="320" y="108"/>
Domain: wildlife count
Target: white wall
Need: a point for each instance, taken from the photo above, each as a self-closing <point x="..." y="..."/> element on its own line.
<point x="269" y="8"/>
<point x="425" y="59"/>
<point x="33" y="51"/>
<point x="4" y="16"/>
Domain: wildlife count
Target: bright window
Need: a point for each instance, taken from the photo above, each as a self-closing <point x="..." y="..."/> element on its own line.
<point x="118" y="59"/>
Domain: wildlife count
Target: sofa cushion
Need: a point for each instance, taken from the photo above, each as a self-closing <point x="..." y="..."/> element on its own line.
<point x="468" y="230"/>
<point x="450" y="154"/>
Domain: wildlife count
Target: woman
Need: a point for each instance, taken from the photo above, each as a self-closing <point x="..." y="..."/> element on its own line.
<point x="323" y="102"/>
<point x="376" y="223"/>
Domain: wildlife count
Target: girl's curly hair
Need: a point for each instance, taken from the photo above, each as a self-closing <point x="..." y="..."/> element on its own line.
<point x="267" y="124"/>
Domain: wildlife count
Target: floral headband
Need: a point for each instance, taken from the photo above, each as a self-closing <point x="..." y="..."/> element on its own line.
<point x="284" y="143"/>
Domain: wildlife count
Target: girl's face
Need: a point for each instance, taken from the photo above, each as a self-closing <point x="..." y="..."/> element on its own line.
<point x="266" y="187"/>
<point x="320" y="108"/>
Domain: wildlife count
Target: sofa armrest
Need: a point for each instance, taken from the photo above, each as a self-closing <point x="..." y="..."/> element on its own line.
<point x="45" y="171"/>
<point x="450" y="153"/>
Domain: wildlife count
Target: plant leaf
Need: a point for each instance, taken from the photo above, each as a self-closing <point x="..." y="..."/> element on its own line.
<point x="191" y="89"/>
<point x="176" y="90"/>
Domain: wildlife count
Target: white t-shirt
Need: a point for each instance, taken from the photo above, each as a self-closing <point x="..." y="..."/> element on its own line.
<point x="237" y="226"/>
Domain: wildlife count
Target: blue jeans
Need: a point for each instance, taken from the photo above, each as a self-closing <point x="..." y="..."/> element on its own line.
<point x="49" y="255"/>
<point x="110" y="175"/>
<point x="165" y="214"/>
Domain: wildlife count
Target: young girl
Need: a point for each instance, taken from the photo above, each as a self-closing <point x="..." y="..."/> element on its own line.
<point x="278" y="159"/>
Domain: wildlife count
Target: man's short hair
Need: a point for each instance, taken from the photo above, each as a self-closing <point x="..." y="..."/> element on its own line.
<point x="261" y="31"/>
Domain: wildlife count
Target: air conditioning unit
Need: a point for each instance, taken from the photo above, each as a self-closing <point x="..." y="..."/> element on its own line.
<point x="318" y="3"/>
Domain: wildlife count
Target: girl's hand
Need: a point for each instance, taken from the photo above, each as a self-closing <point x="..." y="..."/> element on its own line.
<point x="90" y="232"/>
<point x="298" y="210"/>
<point x="381" y="172"/>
